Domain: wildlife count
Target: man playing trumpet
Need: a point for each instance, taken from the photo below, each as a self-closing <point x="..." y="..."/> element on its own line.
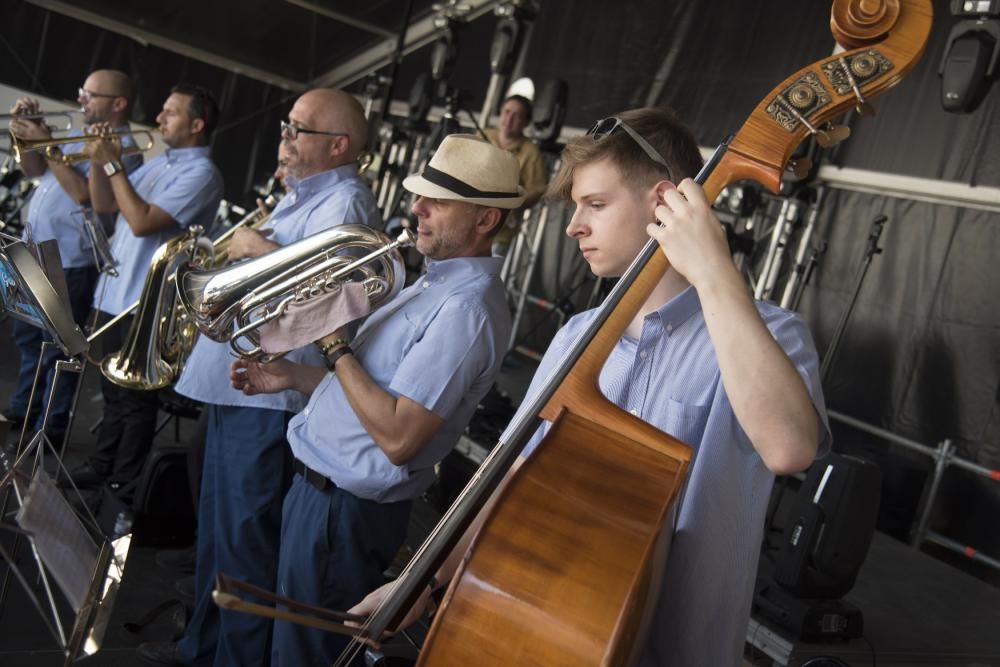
<point x="154" y="203"/>
<point x="53" y="213"/>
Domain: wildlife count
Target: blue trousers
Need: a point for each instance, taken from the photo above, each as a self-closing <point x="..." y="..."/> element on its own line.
<point x="246" y="473"/>
<point x="334" y="548"/>
<point x="80" y="284"/>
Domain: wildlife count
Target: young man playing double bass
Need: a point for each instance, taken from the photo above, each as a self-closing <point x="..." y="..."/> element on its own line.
<point x="737" y="380"/>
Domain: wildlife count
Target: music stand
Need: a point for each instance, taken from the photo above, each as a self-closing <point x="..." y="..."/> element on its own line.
<point x="86" y="566"/>
<point x="27" y="294"/>
<point x="68" y="546"/>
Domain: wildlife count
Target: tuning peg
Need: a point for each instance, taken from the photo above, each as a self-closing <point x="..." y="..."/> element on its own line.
<point x="799" y="168"/>
<point x="864" y="108"/>
<point x="832" y="135"/>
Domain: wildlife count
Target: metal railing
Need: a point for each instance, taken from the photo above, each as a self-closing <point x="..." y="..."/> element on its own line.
<point x="943" y="455"/>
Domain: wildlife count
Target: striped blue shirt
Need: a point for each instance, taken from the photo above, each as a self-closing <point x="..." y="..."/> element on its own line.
<point x="185" y="184"/>
<point x="324" y="200"/>
<point x="439" y="343"/>
<point x="670" y="378"/>
<point x="53" y="214"/>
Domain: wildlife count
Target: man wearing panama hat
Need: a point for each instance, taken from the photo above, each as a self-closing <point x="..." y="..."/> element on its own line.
<point x="393" y="400"/>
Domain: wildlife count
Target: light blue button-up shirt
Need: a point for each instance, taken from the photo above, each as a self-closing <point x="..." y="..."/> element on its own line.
<point x="440" y="344"/>
<point x="53" y="214"/>
<point x="324" y="200"/>
<point x="670" y="378"/>
<point x="185" y="184"/>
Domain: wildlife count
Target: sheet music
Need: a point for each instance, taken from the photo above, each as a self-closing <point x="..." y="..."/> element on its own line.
<point x="100" y="246"/>
<point x="63" y="544"/>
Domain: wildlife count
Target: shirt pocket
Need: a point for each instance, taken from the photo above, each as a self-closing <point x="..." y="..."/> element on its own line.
<point x="383" y="351"/>
<point x="685" y="422"/>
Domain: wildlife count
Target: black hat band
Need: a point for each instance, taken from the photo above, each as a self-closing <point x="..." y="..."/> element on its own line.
<point x="462" y="188"/>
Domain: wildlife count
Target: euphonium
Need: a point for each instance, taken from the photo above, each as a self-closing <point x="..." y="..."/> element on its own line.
<point x="161" y="335"/>
<point x="231" y="303"/>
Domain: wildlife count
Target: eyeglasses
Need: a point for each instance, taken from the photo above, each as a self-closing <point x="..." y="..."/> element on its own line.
<point x="87" y="95"/>
<point x="294" y="132"/>
<point x="608" y="126"/>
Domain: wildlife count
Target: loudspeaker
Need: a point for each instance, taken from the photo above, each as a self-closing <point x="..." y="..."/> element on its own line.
<point x="420" y="99"/>
<point x="831" y="527"/>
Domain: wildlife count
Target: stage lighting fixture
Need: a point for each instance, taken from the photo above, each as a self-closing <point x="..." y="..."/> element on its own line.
<point x="742" y="199"/>
<point x="550" y="111"/>
<point x="822" y="548"/>
<point x="831" y="529"/>
<point x="970" y="55"/>
<point x="443" y="54"/>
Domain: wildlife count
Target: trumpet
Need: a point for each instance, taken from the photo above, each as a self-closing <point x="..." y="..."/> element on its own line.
<point x="50" y="146"/>
<point x="253" y="220"/>
<point x="41" y="115"/>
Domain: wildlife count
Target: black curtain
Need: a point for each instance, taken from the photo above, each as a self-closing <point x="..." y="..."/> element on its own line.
<point x="921" y="355"/>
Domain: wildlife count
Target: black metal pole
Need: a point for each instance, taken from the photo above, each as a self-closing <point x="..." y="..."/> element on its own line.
<point x="871" y="249"/>
<point x="375" y="123"/>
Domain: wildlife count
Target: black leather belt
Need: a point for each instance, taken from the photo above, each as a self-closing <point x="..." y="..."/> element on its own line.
<point x="318" y="480"/>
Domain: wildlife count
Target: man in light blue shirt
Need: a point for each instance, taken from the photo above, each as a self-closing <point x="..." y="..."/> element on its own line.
<point x="395" y="399"/>
<point x="56" y="211"/>
<point x="155" y="203"/>
<point x="247" y="464"/>
<point x="737" y="380"/>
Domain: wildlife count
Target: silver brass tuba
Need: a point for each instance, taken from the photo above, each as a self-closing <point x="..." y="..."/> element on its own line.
<point x="231" y="303"/>
<point x="161" y="335"/>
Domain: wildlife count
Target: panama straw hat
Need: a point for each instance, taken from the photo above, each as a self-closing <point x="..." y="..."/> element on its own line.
<point x="466" y="168"/>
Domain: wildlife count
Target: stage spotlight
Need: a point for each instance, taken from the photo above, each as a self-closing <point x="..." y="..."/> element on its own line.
<point x="970" y="55"/>
<point x="550" y="111"/>
<point x="444" y="53"/>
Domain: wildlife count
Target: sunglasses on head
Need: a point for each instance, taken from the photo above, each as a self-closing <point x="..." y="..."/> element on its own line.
<point x="608" y="126"/>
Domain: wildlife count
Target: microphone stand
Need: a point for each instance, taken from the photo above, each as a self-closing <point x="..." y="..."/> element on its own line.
<point x="871" y="249"/>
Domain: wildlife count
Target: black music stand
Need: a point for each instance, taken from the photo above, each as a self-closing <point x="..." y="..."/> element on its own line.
<point x="68" y="546"/>
<point x="26" y="293"/>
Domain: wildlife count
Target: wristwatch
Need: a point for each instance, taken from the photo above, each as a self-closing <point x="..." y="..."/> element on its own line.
<point x="113" y="167"/>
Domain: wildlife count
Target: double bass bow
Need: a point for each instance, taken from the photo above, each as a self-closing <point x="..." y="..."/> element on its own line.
<point x="568" y="586"/>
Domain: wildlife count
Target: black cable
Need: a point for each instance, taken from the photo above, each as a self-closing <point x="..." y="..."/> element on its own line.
<point x="550" y="311"/>
<point x="36" y="84"/>
<point x="872" y="648"/>
<point x="825" y="661"/>
<point x="753" y="640"/>
<point x="475" y="124"/>
<point x="253" y="114"/>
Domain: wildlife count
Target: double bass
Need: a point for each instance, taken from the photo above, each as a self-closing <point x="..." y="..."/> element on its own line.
<point x="568" y="585"/>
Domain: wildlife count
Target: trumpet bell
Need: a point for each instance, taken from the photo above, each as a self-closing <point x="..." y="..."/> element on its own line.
<point x="232" y="302"/>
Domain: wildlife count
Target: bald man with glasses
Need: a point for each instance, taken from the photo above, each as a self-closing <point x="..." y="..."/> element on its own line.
<point x="55" y="211"/>
<point x="247" y="467"/>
